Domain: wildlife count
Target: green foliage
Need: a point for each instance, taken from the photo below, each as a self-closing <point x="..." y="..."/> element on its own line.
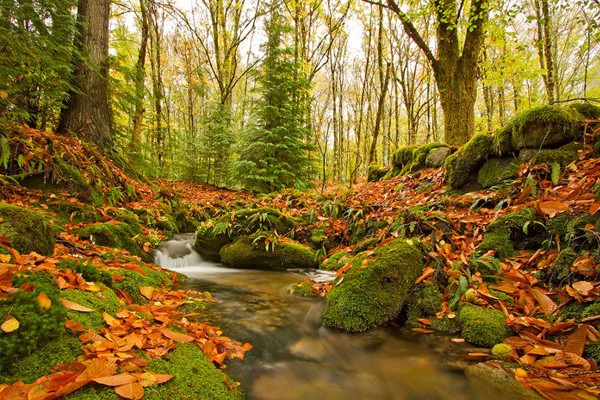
<point x="374" y="289"/>
<point x="274" y="153"/>
<point x="27" y="230"/>
<point x="37" y="325"/>
<point x="35" y="66"/>
<point x="482" y="326"/>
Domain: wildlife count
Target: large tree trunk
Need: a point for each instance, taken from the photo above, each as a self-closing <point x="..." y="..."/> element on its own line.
<point x="140" y="75"/>
<point x="87" y="112"/>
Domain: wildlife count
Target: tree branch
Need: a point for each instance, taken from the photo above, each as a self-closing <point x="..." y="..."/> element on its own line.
<point x="409" y="28"/>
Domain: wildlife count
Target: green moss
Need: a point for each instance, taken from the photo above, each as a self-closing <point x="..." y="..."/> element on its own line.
<point x="506" y="299"/>
<point x="37" y="325"/>
<point x="560" y="271"/>
<point x="134" y="280"/>
<point x="588" y="110"/>
<point x="104" y="300"/>
<point x="501" y="350"/>
<point x="112" y="235"/>
<point x="61" y="349"/>
<point x="496" y="170"/>
<point x="375" y="288"/>
<point x="426" y="302"/>
<point x="302" y="289"/>
<point x="27" y="230"/>
<point x="88" y="271"/>
<point x="335" y="261"/>
<point x="408" y="159"/>
<point x="375" y="172"/>
<point x="318" y="237"/>
<point x="540" y="127"/>
<point x="461" y="165"/>
<point x="126" y="216"/>
<point x="482" y="326"/>
<point x="564" y="155"/>
<point x="365" y="244"/>
<point x="591" y="310"/>
<point x="573" y="310"/>
<point x="391" y="172"/>
<point x="250" y="252"/>
<point x="592" y="350"/>
<point x="68" y="175"/>
<point x="195" y="377"/>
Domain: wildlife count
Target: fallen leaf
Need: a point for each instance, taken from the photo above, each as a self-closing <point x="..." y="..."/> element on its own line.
<point x="110" y="320"/>
<point x="576" y="341"/>
<point x="10" y="325"/>
<point x="424" y="321"/>
<point x="71" y="305"/>
<point x="150" y="378"/>
<point x="547" y="305"/>
<point x="62" y="283"/>
<point x="132" y="390"/>
<point x="116" y="380"/>
<point x="43" y="301"/>
<point x="421" y="330"/>
<point x="175" y="336"/>
<point x="552" y="208"/>
<point x="147" y="292"/>
<point x="74" y="326"/>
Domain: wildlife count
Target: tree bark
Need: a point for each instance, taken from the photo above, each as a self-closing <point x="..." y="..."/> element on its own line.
<point x="140" y="74"/>
<point x="86" y="111"/>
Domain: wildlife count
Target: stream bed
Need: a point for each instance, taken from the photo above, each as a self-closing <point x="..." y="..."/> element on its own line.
<point x="295" y="358"/>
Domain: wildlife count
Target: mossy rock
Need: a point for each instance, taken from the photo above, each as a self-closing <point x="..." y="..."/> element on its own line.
<point x="482" y="326"/>
<point x="540" y="127"/>
<point x="563" y="156"/>
<point x="409" y="159"/>
<point x="437" y="157"/>
<point x="516" y="231"/>
<point x="461" y="165"/>
<point x="491" y="382"/>
<point x="425" y="302"/>
<point x="208" y="243"/>
<point x="375" y="288"/>
<point x="116" y="235"/>
<point x="336" y="261"/>
<point x="26" y="229"/>
<point x="366" y="244"/>
<point x="104" y="300"/>
<point x="302" y="289"/>
<point x="588" y="110"/>
<point x="496" y="170"/>
<point x="376" y="172"/>
<point x="67" y="175"/>
<point x="248" y="252"/>
<point x="126" y="216"/>
<point x="133" y="280"/>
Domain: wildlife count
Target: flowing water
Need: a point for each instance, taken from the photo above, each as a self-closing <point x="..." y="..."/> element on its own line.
<point x="295" y="358"/>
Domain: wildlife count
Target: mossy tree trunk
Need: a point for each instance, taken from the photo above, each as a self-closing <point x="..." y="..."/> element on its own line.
<point x="87" y="112"/>
<point x="455" y="71"/>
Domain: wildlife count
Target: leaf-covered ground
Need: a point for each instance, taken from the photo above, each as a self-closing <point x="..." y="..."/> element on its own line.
<point x="549" y="304"/>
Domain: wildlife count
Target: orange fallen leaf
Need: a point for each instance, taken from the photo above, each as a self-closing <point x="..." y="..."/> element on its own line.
<point x="424" y="321"/>
<point x="74" y="326"/>
<point x="132" y="390"/>
<point x="551" y="208"/>
<point x="150" y="378"/>
<point x="421" y="330"/>
<point x="175" y="336"/>
<point x="110" y="320"/>
<point x="147" y="292"/>
<point x="43" y="301"/>
<point x="71" y="305"/>
<point x="10" y="325"/>
<point x="62" y="283"/>
<point x="116" y="380"/>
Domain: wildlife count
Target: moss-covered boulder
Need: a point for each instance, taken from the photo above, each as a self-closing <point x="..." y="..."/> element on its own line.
<point x="335" y="261"/>
<point x="437" y="157"/>
<point x="511" y="232"/>
<point x="250" y="252"/>
<point x="26" y="229"/>
<point x="540" y="127"/>
<point x="463" y="164"/>
<point x="112" y="234"/>
<point x="375" y="172"/>
<point x="496" y="170"/>
<point x="588" y="110"/>
<point x="375" y="288"/>
<point x="563" y="156"/>
<point x="208" y="242"/>
<point x="482" y="326"/>
<point x="408" y="159"/>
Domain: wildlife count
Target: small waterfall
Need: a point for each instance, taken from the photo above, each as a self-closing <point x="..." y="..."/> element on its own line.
<point x="177" y="253"/>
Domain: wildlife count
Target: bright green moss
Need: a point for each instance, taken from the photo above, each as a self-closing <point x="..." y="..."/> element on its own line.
<point x="496" y="170"/>
<point x="461" y="165"/>
<point x="501" y="350"/>
<point x="88" y="271"/>
<point x="425" y="302"/>
<point x="419" y="156"/>
<point x="250" y="252"/>
<point x="592" y="350"/>
<point x="482" y="326"/>
<point x="540" y="127"/>
<point x="302" y="289"/>
<point x="365" y="244"/>
<point x="112" y="235"/>
<point x="105" y="300"/>
<point x="588" y="110"/>
<point x="61" y="349"/>
<point x="37" y="325"/>
<point x="27" y="230"/>
<point x="376" y="172"/>
<point x="335" y="261"/>
<point x="318" y="237"/>
<point x="375" y="288"/>
<point x="592" y="310"/>
<point x="134" y="280"/>
<point x="564" y="155"/>
<point x="126" y="216"/>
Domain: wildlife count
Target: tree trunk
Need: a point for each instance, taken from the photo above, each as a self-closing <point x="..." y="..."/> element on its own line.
<point x="87" y="112"/>
<point x="140" y="74"/>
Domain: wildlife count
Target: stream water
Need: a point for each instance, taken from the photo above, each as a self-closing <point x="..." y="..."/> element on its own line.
<point x="295" y="358"/>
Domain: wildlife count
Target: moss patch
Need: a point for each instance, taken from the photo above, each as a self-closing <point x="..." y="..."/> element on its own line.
<point x="249" y="252"/>
<point x="461" y="165"/>
<point x="375" y="172"/>
<point x="375" y="288"/>
<point x="105" y="300"/>
<point x="27" y="230"/>
<point x="118" y="236"/>
<point x="336" y="261"/>
<point x="409" y="159"/>
<point x="540" y="127"/>
<point x="302" y="289"/>
<point x="588" y="110"/>
<point x="496" y="170"/>
<point x="482" y="326"/>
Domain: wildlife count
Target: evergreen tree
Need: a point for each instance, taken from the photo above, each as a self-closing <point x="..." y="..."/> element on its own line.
<point x="35" y="59"/>
<point x="274" y="154"/>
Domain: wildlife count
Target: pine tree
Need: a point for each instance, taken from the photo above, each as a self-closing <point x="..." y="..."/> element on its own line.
<point x="274" y="154"/>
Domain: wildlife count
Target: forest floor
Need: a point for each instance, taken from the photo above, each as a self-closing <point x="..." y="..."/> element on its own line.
<point x="120" y="315"/>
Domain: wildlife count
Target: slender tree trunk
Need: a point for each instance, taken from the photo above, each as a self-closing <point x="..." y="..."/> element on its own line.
<point x="140" y="75"/>
<point x="379" y="115"/>
<point x="87" y="112"/>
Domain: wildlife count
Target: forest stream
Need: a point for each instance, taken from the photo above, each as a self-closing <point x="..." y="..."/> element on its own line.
<point x="295" y="358"/>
